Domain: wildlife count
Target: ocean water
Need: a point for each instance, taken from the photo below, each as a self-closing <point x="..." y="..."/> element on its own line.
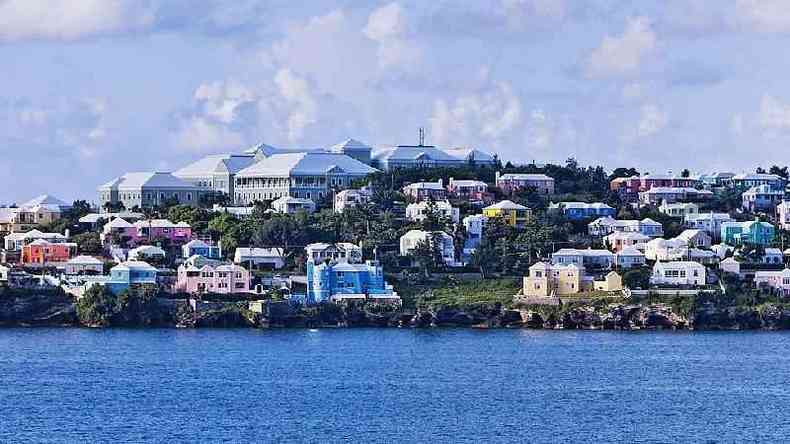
<point x="390" y="385"/>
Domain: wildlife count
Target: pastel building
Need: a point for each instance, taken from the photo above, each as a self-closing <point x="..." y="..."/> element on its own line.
<point x="471" y="190"/>
<point x="148" y="190"/>
<point x="42" y="253"/>
<point x="146" y="253"/>
<point x="779" y="281"/>
<point x="306" y="175"/>
<point x="583" y="210"/>
<point x="629" y="257"/>
<point x="587" y="258"/>
<point x="679" y="209"/>
<point x="508" y="212"/>
<point x="512" y="182"/>
<point x="342" y="281"/>
<point x="351" y="198"/>
<point x="341" y="251"/>
<point x="256" y="257"/>
<point x="708" y="222"/>
<point x="762" y="198"/>
<point x="749" y="180"/>
<point x="42" y="210"/>
<point x="619" y="240"/>
<point x="783" y="215"/>
<point x="473" y="225"/>
<point x="552" y="280"/>
<point x="152" y="230"/>
<point x="84" y="265"/>
<point x="604" y="226"/>
<point x="16" y="241"/>
<point x="419" y="191"/>
<point x="419" y="211"/>
<point x="427" y="156"/>
<point x="199" y="275"/>
<point x="751" y="232"/>
<point x="657" y="195"/>
<point x="293" y="205"/>
<point x="198" y="247"/>
<point x="131" y="275"/>
<point x="678" y="273"/>
<point x="413" y="238"/>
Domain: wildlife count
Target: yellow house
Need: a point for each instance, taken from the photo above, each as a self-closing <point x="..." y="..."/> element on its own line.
<point x="611" y="282"/>
<point x="509" y="212"/>
<point x="546" y="280"/>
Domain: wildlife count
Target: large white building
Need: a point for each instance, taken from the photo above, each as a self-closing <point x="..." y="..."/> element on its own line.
<point x="426" y="156"/>
<point x="308" y="175"/>
<point x="215" y="173"/>
<point x="148" y="190"/>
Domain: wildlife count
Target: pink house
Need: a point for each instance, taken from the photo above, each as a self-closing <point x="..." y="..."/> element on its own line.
<point x="146" y="231"/>
<point x="199" y="275"/>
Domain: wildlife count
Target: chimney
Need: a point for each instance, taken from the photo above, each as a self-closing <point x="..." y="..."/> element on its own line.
<point x="440" y="182"/>
<point x="496" y="179"/>
<point x="67" y="233"/>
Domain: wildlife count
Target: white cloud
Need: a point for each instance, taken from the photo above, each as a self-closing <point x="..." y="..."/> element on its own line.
<point x="70" y="19"/>
<point x="201" y="134"/>
<point x="387" y="26"/>
<point x="774" y="114"/>
<point x="763" y="15"/>
<point x="304" y="109"/>
<point x="222" y="100"/>
<point x="485" y="117"/>
<point x="652" y="120"/>
<point x="623" y="54"/>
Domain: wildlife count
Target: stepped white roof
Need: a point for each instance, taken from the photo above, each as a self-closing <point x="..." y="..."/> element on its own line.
<point x="136" y="181"/>
<point x="46" y="201"/>
<point x="414" y="153"/>
<point x="85" y="260"/>
<point x="506" y="205"/>
<point x="473" y="154"/>
<point x="306" y="163"/>
<point x="216" y="163"/>
<point x="349" y="145"/>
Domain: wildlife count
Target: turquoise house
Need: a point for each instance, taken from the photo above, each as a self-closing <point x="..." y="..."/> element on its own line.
<point x="130" y="274"/>
<point x="343" y="281"/>
<point x="753" y="233"/>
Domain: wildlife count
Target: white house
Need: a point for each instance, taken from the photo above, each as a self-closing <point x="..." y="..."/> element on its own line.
<point x="146" y="252"/>
<point x="410" y="241"/>
<point x="343" y="251"/>
<point x="696" y="237"/>
<point x="291" y="205"/>
<point x="604" y="226"/>
<point x="678" y="209"/>
<point x="588" y="258"/>
<point x="84" y="265"/>
<point x="351" y="198"/>
<point x="629" y="257"/>
<point x="777" y="280"/>
<point x="620" y="240"/>
<point x="260" y="256"/>
<point x="418" y="211"/>
<point x="708" y="222"/>
<point x="730" y="265"/>
<point x="783" y="214"/>
<point x="685" y="273"/>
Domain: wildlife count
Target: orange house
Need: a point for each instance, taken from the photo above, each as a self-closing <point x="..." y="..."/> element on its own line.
<point x="42" y="253"/>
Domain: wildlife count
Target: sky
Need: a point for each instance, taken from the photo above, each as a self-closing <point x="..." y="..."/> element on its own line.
<point x="91" y="89"/>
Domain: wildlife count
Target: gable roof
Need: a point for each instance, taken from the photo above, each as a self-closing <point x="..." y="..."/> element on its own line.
<point x="216" y="163"/>
<point x="414" y="152"/>
<point x="349" y="145"/>
<point x="138" y="180"/>
<point x="506" y="205"/>
<point x="47" y="201"/>
<point x="307" y="163"/>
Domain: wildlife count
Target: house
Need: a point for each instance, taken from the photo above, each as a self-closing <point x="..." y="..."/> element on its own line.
<point x="627" y="188"/>
<point x="722" y="250"/>
<point x="751" y="232"/>
<point x="779" y="281"/>
<point x="94" y="221"/>
<point x="473" y="225"/>
<point x="270" y="257"/>
<point x="42" y="210"/>
<point x="198" y="247"/>
<point x="762" y="198"/>
<point x="708" y="222"/>
<point x="604" y="226"/>
<point x="717" y="179"/>
<point x="302" y="175"/>
<point x="236" y="211"/>
<point x="678" y="209"/>
<point x="471" y="190"/>
<point x="772" y="256"/>
<point x="666" y="249"/>
<point x="508" y="212"/>
<point x="512" y="182"/>
<point x="354" y="149"/>
<point x="619" y="240"/>
<point x="293" y="205"/>
<point x="131" y="275"/>
<point x="629" y="257"/>
<point x="419" y="191"/>
<point x="678" y="273"/>
<point x="582" y="210"/>
<point x="42" y="253"/>
<point x="84" y="265"/>
<point x="697" y="238"/>
<point x="730" y="265"/>
<point x="783" y="215"/>
<point x="340" y="281"/>
<point x="198" y="275"/>
<point x="146" y="253"/>
<point x="162" y="230"/>
<point x="749" y="180"/>
<point x="418" y="212"/>
<point x="345" y="251"/>
<point x="16" y="241"/>
<point x="216" y="173"/>
<point x="668" y="180"/>
<point x="351" y="198"/>
<point x="148" y="190"/>
<point x="551" y="280"/>
<point x="589" y="258"/>
<point x="119" y="232"/>
<point x="657" y="195"/>
<point x="427" y="156"/>
<point x="412" y="239"/>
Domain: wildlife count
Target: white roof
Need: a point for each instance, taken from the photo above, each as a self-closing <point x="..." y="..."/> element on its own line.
<point x="773" y="251"/>
<point x="85" y="260"/>
<point x="136" y="181"/>
<point x="307" y="163"/>
<point x="582" y="252"/>
<point x="349" y="145"/>
<point x="688" y="234"/>
<point x="160" y="223"/>
<point x="524" y="176"/>
<point x="756" y="176"/>
<point x="216" y="163"/>
<point x="414" y="153"/>
<point x="680" y="265"/>
<point x="292" y="200"/>
<point x="195" y="243"/>
<point x="119" y="223"/>
<point x="470" y="154"/>
<point x="506" y="205"/>
<point x="46" y="201"/>
<point x="468" y="183"/>
<point x="424" y="186"/>
<point x="763" y="189"/>
<point x="134" y="265"/>
<point x="147" y="250"/>
<point x="259" y="252"/>
<point x="630" y="251"/>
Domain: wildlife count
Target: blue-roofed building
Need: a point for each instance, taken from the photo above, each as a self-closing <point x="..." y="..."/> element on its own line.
<point x="215" y="172"/>
<point x="427" y="156"/>
<point x="342" y="281"/>
<point x="582" y="210"/>
<point x="752" y="232"/>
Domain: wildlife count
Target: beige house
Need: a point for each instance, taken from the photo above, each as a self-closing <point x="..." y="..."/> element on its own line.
<point x="546" y="280"/>
<point x="43" y="210"/>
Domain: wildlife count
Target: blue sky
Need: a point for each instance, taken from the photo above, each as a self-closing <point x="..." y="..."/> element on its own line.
<point x="90" y="89"/>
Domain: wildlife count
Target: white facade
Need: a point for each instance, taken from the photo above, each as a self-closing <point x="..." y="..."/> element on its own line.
<point x="351" y="198"/>
<point x="292" y="205"/>
<point x="684" y="273"/>
<point x="341" y="251"/>
<point x="708" y="222"/>
<point x="410" y="241"/>
<point x="418" y="211"/>
<point x="783" y="215"/>
<point x="260" y="256"/>
<point x="678" y="209"/>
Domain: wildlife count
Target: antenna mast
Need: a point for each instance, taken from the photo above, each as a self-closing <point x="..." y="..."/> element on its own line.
<point x="422" y="136"/>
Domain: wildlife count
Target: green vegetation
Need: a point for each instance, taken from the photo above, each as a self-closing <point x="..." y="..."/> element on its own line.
<point x="451" y="292"/>
<point x="100" y="308"/>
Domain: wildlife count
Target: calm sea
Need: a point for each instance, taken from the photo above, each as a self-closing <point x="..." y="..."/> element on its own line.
<point x="79" y="385"/>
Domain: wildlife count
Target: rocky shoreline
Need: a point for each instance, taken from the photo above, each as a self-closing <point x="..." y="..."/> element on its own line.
<point x="60" y="310"/>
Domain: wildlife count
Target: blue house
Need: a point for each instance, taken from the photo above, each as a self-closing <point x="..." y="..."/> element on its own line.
<point x="582" y="210"/>
<point x="130" y="274"/>
<point x="199" y="248"/>
<point x="342" y="281"/>
<point x="752" y="232"/>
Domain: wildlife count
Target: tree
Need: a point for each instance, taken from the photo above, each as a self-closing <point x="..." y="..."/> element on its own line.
<point x="781" y="172"/>
<point x="89" y="243"/>
<point x="637" y="278"/>
<point x="96" y="307"/>
<point x="685" y="173"/>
